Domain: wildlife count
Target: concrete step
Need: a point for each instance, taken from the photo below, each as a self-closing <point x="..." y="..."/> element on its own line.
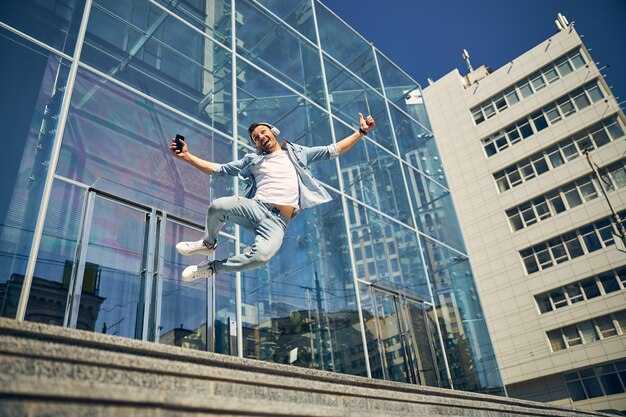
<point x="52" y="371"/>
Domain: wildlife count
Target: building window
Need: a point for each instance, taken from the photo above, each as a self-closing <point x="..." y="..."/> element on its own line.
<point x="546" y="116"/>
<point x="595" y="382"/>
<point x="582" y="290"/>
<point x="567" y="246"/>
<point x="566" y="197"/>
<point x="564" y="151"/>
<point x="588" y="331"/>
<point x="528" y="86"/>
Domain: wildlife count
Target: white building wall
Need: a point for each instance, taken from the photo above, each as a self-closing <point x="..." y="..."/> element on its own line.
<point x="507" y="292"/>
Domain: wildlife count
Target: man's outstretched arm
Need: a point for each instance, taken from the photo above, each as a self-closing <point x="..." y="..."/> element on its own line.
<point x="185" y="155"/>
<point x="366" y="124"/>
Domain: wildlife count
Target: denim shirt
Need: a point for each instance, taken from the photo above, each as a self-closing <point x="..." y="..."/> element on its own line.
<point x="311" y="192"/>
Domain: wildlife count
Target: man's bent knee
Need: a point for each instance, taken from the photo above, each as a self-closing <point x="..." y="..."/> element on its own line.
<point x="221" y="205"/>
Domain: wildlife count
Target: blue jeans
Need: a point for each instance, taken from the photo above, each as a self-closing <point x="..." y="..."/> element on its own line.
<point x="266" y="221"/>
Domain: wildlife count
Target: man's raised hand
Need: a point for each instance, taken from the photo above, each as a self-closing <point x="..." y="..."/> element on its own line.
<point x="366" y="123"/>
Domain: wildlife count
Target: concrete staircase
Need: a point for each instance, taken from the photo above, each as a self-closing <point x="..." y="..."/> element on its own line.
<point x="52" y="371"/>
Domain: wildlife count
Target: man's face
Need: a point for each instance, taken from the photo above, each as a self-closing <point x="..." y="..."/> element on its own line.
<point x="264" y="139"/>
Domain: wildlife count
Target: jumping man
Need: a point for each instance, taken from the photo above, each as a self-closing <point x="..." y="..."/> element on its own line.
<point x="279" y="185"/>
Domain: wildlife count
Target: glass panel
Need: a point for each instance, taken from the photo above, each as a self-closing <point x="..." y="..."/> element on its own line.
<point x="588" y="331"/>
<point x="576" y="391"/>
<point x="590" y="288"/>
<point x="53" y="22"/>
<point x="590" y="237"/>
<point x="297" y="13"/>
<point x="614" y="128"/>
<point x="537" y="81"/>
<point x="399" y="87"/>
<point x="154" y="52"/>
<point x="572" y="337"/>
<point x="372" y="333"/>
<point x="351" y="96"/>
<point x="118" y="144"/>
<point x="611" y="383"/>
<point x="214" y="20"/>
<point x="594" y="92"/>
<point x="114" y="265"/>
<point x="581" y="101"/>
<point x="383" y="242"/>
<point x="434" y="209"/>
<point x="346" y="46"/>
<point x="564" y="66"/>
<point x="550" y="73"/>
<point x="29" y="119"/>
<point x="511" y="96"/>
<point x="606" y="326"/>
<point x="556" y="340"/>
<point x="183" y="305"/>
<point x="51" y="281"/>
<point x="398" y="365"/>
<point x="592" y="387"/>
<point x="278" y="50"/>
<point x="525" y="89"/>
<point x="525" y="129"/>
<point x="577" y="59"/>
<point x="420" y="343"/>
<point x="418" y="147"/>
<point x="609" y="283"/>
<point x="374" y="177"/>
<point x="302" y="305"/>
<point x="468" y="348"/>
<point x="539" y="121"/>
<point x="543" y="301"/>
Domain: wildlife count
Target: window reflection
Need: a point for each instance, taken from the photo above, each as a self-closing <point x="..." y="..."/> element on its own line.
<point x="301" y="309"/>
<point x="31" y="118"/>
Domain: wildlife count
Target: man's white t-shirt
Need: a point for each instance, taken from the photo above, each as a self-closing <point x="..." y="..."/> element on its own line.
<point x="276" y="180"/>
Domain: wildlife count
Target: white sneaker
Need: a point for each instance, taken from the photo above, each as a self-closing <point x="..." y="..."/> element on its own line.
<point x="192" y="248"/>
<point x="201" y="271"/>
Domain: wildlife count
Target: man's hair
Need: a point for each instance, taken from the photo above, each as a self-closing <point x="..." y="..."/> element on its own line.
<point x="255" y="125"/>
<point x="273" y="129"/>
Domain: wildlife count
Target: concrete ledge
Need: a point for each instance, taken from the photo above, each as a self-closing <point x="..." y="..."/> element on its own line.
<point x="49" y="370"/>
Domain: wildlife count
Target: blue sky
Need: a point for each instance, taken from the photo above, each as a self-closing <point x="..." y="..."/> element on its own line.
<point x="425" y="38"/>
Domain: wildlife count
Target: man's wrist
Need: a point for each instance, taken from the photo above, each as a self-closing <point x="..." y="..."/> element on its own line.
<point x="363" y="132"/>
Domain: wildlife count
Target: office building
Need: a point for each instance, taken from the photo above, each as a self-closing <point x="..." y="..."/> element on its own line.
<point x="376" y="283"/>
<point x="544" y="245"/>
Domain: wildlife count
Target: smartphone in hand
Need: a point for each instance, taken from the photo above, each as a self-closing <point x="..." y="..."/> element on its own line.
<point x="179" y="144"/>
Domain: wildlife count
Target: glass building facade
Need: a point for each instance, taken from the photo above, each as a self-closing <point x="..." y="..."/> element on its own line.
<point x="376" y="283"/>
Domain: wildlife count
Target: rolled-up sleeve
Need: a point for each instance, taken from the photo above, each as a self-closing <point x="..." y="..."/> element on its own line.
<point x="230" y="168"/>
<point x="318" y="153"/>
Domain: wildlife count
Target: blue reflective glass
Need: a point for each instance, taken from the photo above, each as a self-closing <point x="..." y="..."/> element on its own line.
<point x="301" y="308"/>
<point x="417" y="146"/>
<point x="346" y="46"/>
<point x="434" y="209"/>
<point x="162" y="57"/>
<point x="118" y="143"/>
<point x="390" y="253"/>
<point x="464" y="331"/>
<point x="30" y="120"/>
<point x="280" y="51"/>
<point x="55" y="260"/>
<point x="351" y="97"/>
<point x="213" y="18"/>
<point x="373" y="176"/>
<point x="183" y="313"/>
<point x="399" y="87"/>
<point x="54" y="22"/>
<point x="296" y="13"/>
